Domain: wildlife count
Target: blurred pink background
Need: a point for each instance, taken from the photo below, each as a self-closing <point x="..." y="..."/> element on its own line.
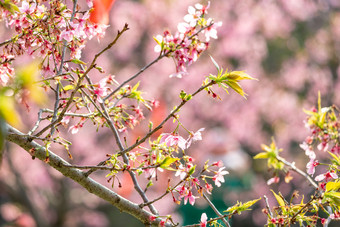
<point x="291" y="46"/>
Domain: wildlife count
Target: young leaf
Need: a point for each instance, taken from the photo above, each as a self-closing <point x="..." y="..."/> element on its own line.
<point x="166" y="162"/>
<point x="77" y="61"/>
<point x="332" y="186"/>
<point x="279" y="199"/>
<point x="215" y="63"/>
<point x="262" y="155"/>
<point x="239" y="207"/>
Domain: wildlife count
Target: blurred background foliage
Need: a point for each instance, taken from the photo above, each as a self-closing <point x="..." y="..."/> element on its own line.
<point x="291" y="46"/>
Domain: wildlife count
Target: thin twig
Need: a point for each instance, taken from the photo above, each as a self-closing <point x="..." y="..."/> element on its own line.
<point x="297" y="170"/>
<point x="80" y="80"/>
<point x="165" y="120"/>
<point x="215" y="210"/>
<point x="60" y="71"/>
<point x="153" y="62"/>
<point x="37" y="123"/>
<point x="267" y="205"/>
<point x="126" y="159"/>
<point x="164" y="194"/>
<point x="139" y="142"/>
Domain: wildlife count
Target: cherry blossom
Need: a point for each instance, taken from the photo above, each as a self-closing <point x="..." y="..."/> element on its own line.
<point x="311" y="166"/>
<point x="190" y="197"/>
<point x="194" y="137"/>
<point x="309" y="152"/>
<point x="211" y="31"/>
<point x="208" y="188"/>
<point x="327" y="176"/>
<point x="204" y="219"/>
<point x="173" y="140"/>
<point x="219" y="176"/>
<point x="185" y="46"/>
<point x="74" y="129"/>
<point x="181" y="172"/>
<point x="218" y="164"/>
<point x="273" y="180"/>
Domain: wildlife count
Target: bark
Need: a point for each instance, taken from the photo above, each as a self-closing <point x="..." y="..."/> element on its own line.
<point x="124" y="205"/>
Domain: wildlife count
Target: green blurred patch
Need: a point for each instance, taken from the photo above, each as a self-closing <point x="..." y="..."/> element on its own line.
<point x="277" y="54"/>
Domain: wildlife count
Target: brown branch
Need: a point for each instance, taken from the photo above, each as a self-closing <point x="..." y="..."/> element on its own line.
<point x="78" y="176"/>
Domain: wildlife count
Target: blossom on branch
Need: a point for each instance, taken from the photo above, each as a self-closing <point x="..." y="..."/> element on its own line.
<point x="186" y="45"/>
<point x="194" y="137"/>
<point x="327" y="176"/>
<point x="204" y="219"/>
<point x="173" y="140"/>
<point x="219" y="176"/>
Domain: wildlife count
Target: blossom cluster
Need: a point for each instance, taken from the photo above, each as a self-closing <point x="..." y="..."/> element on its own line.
<point x="186" y="46"/>
<point x="324" y="126"/>
<point x="42" y="31"/>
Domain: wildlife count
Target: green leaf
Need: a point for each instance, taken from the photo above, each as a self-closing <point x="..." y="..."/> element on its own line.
<point x="135" y="87"/>
<point x="262" y="155"/>
<point x="68" y="87"/>
<point x="332" y="186"/>
<point x="333" y="196"/>
<point x="150" y="183"/>
<point x="182" y="94"/>
<point x="167" y="161"/>
<point x="11" y="7"/>
<point x="192" y="170"/>
<point x="279" y="199"/>
<point x="239" y="207"/>
<point x="336" y="158"/>
<point x="77" y="61"/>
<point x="236" y="87"/>
<point x="239" y="75"/>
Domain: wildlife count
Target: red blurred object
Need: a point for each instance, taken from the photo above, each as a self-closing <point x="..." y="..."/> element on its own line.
<point x="100" y="14"/>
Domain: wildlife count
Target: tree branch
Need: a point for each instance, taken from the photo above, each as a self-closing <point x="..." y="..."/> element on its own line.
<point x="124" y="205"/>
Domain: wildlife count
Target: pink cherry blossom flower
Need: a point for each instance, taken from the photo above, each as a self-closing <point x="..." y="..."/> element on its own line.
<point x="151" y="172"/>
<point x="193" y="16"/>
<point x="204" y="219"/>
<point x="311" y="166"/>
<point x="66" y="119"/>
<point x="211" y="31"/>
<point x="173" y="140"/>
<point x="74" y="128"/>
<point x="181" y="172"/>
<point x="218" y="164"/>
<point x="323" y="146"/>
<point x="202" y="8"/>
<point x="194" y="137"/>
<point x="273" y="180"/>
<point x="101" y="88"/>
<point x="335" y="216"/>
<point x="89" y="3"/>
<point x="208" y="188"/>
<point x="309" y="152"/>
<point x="218" y="178"/>
<point x="190" y="197"/>
<point x="67" y="35"/>
<point x="327" y="176"/>
<point x="178" y="74"/>
<point x="182" y="191"/>
<point x="26" y="8"/>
